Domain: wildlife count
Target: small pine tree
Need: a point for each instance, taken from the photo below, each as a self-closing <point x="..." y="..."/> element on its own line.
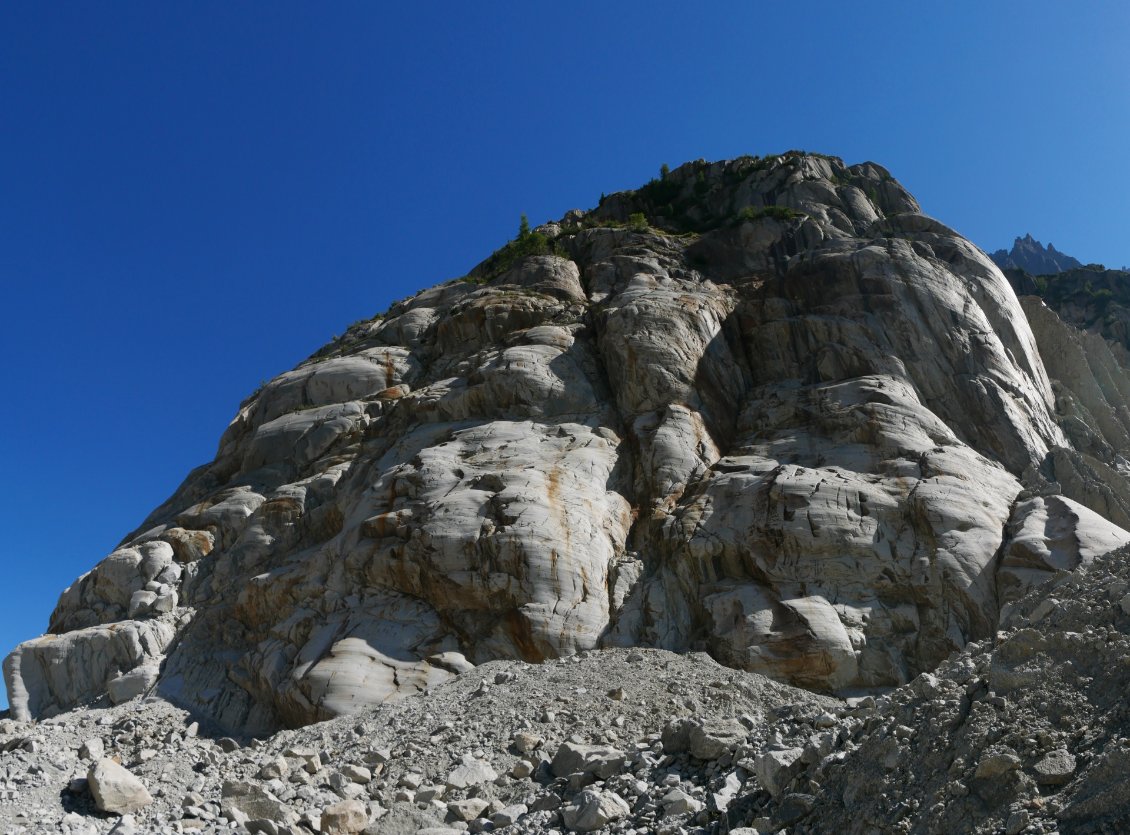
<point x="523" y="227"/>
<point x="664" y="170"/>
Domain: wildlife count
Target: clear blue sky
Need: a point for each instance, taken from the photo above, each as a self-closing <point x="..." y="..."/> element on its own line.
<point x="195" y="196"/>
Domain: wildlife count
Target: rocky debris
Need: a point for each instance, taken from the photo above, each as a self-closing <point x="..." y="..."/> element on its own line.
<point x="115" y="790"/>
<point x="611" y="761"/>
<point x="764" y="407"/>
<point x="1024" y="733"/>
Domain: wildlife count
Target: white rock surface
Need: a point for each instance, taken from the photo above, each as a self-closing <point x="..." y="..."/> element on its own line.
<point x="800" y="439"/>
<point x="115" y="790"/>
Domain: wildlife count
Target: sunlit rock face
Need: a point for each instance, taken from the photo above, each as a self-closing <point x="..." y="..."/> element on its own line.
<point x="764" y="408"/>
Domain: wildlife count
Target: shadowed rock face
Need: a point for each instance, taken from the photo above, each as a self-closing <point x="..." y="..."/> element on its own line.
<point x="798" y="435"/>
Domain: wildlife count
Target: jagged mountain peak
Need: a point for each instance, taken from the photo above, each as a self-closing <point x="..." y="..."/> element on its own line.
<point x="1034" y="258"/>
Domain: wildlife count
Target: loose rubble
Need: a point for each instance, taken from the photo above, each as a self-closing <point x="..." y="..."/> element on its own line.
<point x="508" y="747"/>
<point x="1025" y="733"/>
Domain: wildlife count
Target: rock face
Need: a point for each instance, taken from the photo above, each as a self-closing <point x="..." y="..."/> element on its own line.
<point x="1034" y="258"/>
<point x="763" y="407"/>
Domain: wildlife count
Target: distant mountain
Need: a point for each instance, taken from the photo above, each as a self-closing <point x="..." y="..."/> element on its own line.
<point x="1030" y="255"/>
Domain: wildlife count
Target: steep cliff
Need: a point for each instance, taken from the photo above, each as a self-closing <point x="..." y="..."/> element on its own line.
<point x="762" y="407"/>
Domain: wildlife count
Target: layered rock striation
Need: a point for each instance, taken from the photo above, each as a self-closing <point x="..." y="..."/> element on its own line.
<point x="762" y="407"/>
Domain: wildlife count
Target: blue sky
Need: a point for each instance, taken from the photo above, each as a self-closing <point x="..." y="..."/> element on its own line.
<point x="194" y="197"/>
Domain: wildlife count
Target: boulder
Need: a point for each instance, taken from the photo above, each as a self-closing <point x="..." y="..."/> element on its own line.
<point x="713" y="739"/>
<point x="591" y="810"/>
<point x="775" y="768"/>
<point x="135" y="683"/>
<point x="241" y="801"/>
<point x="58" y="672"/>
<point x="600" y="761"/>
<point x="1055" y="768"/>
<point x="467" y="810"/>
<point x="471" y="772"/>
<point x="678" y="802"/>
<point x="348" y="817"/>
<point x="115" y="789"/>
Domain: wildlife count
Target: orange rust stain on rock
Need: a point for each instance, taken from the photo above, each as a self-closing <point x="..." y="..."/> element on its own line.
<point x="282" y="507"/>
<point x="382" y="525"/>
<point x="553" y="498"/>
<point x="518" y="628"/>
<point x="390" y="370"/>
<point x="552" y="486"/>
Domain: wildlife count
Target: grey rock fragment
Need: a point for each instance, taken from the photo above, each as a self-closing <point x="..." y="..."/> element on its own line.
<point x="775" y="768"/>
<point x="678" y="802"/>
<point x="996" y="764"/>
<point x="357" y="773"/>
<point x="1055" y="769"/>
<point x="591" y="809"/>
<point x="467" y="810"/>
<point x="242" y="801"/>
<point x="471" y="772"/>
<point x="92" y="749"/>
<point x="712" y="739"/>
<point x="600" y="761"/>
<point x="508" y="815"/>
<point x="276" y="768"/>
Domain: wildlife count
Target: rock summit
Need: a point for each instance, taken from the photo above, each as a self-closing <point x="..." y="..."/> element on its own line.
<point x="763" y="409"/>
